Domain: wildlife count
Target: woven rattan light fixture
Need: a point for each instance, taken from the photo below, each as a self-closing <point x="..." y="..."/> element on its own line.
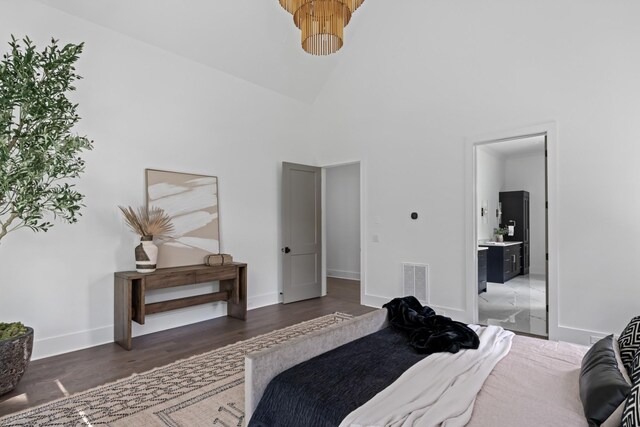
<point x="321" y="22"/>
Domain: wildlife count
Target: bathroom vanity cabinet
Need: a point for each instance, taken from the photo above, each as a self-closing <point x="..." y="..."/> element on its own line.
<point x="503" y="261"/>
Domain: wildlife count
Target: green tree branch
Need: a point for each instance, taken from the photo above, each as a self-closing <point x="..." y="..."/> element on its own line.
<point x="39" y="153"/>
<point x="5" y="225"/>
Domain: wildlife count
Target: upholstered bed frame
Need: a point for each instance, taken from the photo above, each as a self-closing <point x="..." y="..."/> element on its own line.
<point x="535" y="384"/>
<point x="261" y="367"/>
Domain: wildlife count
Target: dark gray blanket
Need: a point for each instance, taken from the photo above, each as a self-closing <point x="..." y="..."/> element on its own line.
<point x="324" y="390"/>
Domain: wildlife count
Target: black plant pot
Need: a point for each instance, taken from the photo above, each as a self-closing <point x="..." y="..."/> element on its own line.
<point x="15" y="354"/>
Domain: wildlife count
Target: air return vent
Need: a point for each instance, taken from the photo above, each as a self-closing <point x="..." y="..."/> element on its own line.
<point x="416" y="281"/>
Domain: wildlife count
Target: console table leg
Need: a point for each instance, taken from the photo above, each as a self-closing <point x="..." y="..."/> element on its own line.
<point x="122" y="312"/>
<point x="239" y="309"/>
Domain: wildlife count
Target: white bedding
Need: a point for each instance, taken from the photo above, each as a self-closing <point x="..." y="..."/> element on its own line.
<point x="438" y="391"/>
<point x="535" y="385"/>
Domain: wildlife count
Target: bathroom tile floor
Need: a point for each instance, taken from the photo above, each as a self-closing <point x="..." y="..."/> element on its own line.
<point x="518" y="305"/>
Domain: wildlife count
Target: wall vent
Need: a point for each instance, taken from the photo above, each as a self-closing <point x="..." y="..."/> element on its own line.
<point x="416" y="281"/>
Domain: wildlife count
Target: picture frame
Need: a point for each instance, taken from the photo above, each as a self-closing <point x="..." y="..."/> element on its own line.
<point x="191" y="200"/>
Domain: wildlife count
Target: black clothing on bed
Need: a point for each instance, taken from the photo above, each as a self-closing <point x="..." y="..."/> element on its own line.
<point x="428" y="332"/>
<point x="324" y="390"/>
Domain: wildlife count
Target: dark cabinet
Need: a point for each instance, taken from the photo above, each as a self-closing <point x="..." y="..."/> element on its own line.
<point x="503" y="263"/>
<point x="512" y="261"/>
<point x="515" y="212"/>
<point x="482" y="271"/>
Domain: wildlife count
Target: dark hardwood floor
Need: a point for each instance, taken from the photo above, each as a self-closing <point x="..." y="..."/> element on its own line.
<point x="49" y="379"/>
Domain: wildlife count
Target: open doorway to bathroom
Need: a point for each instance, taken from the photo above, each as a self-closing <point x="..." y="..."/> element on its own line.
<point x="511" y="232"/>
<point x="343" y="227"/>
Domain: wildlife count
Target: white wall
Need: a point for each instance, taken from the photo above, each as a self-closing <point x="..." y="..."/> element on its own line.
<point x="445" y="71"/>
<point x="146" y="108"/>
<point x="490" y="182"/>
<point x="528" y="173"/>
<point x="343" y="221"/>
<point x="403" y="100"/>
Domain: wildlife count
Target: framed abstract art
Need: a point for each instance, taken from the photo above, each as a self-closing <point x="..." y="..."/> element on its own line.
<point x="192" y="203"/>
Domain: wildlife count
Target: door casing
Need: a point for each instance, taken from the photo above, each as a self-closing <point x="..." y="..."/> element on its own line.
<point x="549" y="129"/>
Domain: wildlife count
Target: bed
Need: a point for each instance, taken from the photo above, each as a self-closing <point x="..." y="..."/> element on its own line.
<point x="535" y="384"/>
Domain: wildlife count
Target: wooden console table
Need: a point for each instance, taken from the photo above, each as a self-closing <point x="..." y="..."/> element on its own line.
<point x="130" y="288"/>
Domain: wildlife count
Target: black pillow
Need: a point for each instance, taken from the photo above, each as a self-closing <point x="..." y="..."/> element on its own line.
<point x="629" y="342"/>
<point x="602" y="386"/>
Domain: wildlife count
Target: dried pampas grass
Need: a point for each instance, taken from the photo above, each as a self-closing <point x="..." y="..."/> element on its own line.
<point x="147" y="222"/>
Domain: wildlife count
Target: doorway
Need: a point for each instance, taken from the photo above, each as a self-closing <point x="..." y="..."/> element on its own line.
<point x="342" y="216"/>
<point x="314" y="200"/>
<point x="511" y="233"/>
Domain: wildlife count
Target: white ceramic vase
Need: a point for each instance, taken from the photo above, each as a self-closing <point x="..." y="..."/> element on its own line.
<point x="146" y="255"/>
<point x="499" y="238"/>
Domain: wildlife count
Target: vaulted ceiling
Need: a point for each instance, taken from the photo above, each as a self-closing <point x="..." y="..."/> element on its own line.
<point x="254" y="40"/>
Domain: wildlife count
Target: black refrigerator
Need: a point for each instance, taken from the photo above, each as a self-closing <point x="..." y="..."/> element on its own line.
<point x="515" y="212"/>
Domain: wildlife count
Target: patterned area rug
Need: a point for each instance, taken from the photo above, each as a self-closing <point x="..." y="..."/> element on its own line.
<point x="203" y="390"/>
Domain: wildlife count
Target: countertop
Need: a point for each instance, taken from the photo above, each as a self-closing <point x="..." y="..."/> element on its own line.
<point x="486" y="244"/>
<point x="482" y="248"/>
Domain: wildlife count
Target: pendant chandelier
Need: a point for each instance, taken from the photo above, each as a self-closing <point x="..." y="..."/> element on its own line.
<point x="321" y="22"/>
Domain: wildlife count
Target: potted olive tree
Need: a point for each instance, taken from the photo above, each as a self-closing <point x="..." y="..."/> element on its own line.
<point x="39" y="159"/>
<point x="16" y="343"/>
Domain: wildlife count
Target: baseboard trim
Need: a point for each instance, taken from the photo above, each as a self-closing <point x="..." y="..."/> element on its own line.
<point x="378" y="301"/>
<point x="341" y="274"/>
<point x="52" y="346"/>
<point x="263" y="300"/>
<point x="60" y="344"/>
<point x="374" y="300"/>
<point x="561" y="333"/>
<point x="578" y="336"/>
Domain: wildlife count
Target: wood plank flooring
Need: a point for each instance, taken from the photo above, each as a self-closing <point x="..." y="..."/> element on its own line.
<point x="49" y="379"/>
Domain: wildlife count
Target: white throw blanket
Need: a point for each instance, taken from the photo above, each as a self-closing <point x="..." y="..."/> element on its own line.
<point x="437" y="391"/>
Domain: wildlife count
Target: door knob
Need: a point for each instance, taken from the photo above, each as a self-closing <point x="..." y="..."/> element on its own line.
<point x="286" y="250"/>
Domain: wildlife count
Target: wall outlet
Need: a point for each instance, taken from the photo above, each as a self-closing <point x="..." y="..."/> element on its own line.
<point x="595" y="339"/>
